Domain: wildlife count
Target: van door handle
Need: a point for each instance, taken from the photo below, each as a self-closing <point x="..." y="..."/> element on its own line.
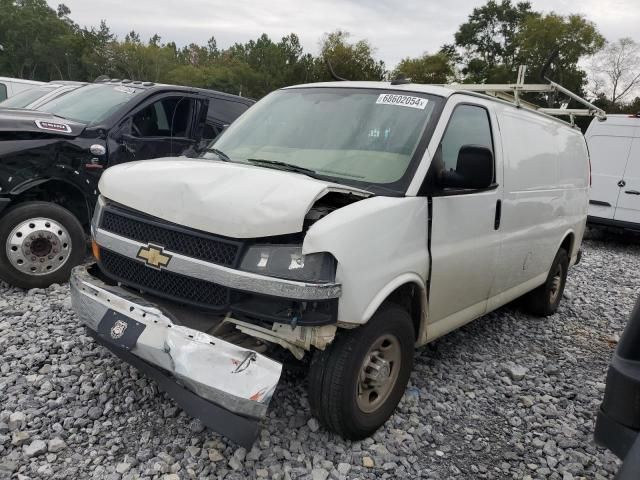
<point x="496" y="221"/>
<point x="632" y="192"/>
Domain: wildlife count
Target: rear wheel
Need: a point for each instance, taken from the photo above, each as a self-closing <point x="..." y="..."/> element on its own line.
<point x="40" y="243"/>
<point x="544" y="300"/>
<point x="356" y="382"/>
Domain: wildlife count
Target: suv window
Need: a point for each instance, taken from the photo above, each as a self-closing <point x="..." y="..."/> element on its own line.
<point x="3" y="91"/>
<point x="91" y="103"/>
<point x="469" y="125"/>
<point x="168" y="117"/>
<point x="225" y="111"/>
<point x="221" y="113"/>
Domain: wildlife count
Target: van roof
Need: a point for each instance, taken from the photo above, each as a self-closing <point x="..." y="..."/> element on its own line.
<point x="408" y="87"/>
<point x="621" y="119"/>
<point x="66" y="83"/>
<point x="20" y="80"/>
<point x="440" y="90"/>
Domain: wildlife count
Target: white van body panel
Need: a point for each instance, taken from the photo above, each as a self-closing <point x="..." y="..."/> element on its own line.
<point x="628" y="207"/>
<point x="256" y="202"/>
<point x="377" y="242"/>
<point x="465" y="245"/>
<point x="17" y="85"/>
<point x="542" y="175"/>
<point x="546" y="194"/>
<point x="614" y="145"/>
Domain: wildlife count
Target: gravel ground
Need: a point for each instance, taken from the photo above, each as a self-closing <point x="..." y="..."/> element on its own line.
<point x="508" y="396"/>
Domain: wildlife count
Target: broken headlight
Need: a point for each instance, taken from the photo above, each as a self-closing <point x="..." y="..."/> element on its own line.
<point x="287" y="261"/>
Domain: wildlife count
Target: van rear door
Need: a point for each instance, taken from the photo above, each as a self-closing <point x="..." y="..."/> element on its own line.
<point x="628" y="206"/>
<point x="609" y="147"/>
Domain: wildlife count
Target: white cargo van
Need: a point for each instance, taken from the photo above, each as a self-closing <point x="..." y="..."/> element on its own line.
<point x="348" y="222"/>
<point x="11" y="86"/>
<point x="614" y="146"/>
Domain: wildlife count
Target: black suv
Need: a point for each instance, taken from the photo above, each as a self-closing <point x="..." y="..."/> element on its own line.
<point x="51" y="160"/>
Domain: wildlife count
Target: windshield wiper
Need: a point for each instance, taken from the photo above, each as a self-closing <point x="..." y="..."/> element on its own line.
<point x="220" y="154"/>
<point x="284" y="166"/>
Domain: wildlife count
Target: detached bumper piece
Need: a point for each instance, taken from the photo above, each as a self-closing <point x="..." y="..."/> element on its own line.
<point x="226" y="386"/>
<point x="618" y="422"/>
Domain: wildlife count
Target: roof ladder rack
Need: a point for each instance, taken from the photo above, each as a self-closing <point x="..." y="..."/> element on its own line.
<point x="511" y="93"/>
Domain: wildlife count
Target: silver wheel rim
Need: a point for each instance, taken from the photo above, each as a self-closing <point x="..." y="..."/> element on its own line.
<point x="556" y="283"/>
<point x="38" y="246"/>
<point x="378" y="374"/>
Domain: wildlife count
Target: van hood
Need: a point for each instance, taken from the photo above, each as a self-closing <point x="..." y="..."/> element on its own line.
<point x="22" y="120"/>
<point x="229" y="199"/>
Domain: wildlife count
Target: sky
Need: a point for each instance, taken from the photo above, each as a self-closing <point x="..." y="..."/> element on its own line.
<point x="397" y="29"/>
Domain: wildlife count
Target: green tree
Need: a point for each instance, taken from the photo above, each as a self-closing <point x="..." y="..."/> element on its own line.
<point x="426" y="69"/>
<point x="98" y="57"/>
<point x="573" y="36"/>
<point x="34" y="38"/>
<point x="498" y="37"/>
<point x="489" y="40"/>
<point x="353" y="61"/>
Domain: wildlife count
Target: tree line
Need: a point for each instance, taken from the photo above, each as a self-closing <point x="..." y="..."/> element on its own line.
<point x="38" y="42"/>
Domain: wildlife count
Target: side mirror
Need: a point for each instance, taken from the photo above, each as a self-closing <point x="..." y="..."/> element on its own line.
<point x="474" y="169"/>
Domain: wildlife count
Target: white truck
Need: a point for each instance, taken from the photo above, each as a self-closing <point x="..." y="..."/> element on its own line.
<point x="345" y="222"/>
<point x="614" y="146"/>
<point x="12" y="86"/>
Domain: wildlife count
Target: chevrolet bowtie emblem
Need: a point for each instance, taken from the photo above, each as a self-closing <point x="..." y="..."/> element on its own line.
<point x="154" y="256"/>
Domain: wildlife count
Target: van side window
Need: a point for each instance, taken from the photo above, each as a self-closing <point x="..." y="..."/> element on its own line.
<point x="3" y="92"/>
<point x="469" y="125"/>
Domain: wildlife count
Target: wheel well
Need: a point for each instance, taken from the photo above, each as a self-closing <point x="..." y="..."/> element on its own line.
<point x="567" y="244"/>
<point x="61" y="193"/>
<point x="408" y="297"/>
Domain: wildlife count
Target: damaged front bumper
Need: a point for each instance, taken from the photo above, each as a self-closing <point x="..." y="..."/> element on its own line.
<point x="226" y="386"/>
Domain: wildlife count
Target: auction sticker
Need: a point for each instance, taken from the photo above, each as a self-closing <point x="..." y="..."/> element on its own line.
<point x="53" y="126"/>
<point x="402" y="101"/>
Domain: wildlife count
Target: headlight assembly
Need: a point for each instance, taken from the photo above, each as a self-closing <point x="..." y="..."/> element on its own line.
<point x="287" y="261"/>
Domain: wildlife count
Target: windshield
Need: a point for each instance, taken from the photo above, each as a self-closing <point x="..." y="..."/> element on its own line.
<point x="352" y="135"/>
<point x="26" y="98"/>
<point x="91" y="103"/>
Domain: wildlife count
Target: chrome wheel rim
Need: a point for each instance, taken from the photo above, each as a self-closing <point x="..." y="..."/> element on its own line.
<point x="378" y="374"/>
<point x="38" y="246"/>
<point x="556" y="283"/>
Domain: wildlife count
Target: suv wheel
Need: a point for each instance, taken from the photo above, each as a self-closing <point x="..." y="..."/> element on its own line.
<point x="40" y="243"/>
<point x="356" y="382"/>
<point x="544" y="300"/>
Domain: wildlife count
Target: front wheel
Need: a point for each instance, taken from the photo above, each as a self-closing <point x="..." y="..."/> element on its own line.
<point x="40" y="242"/>
<point x="356" y="382"/>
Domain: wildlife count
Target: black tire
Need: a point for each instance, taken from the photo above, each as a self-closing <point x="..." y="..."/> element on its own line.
<point x="335" y="372"/>
<point x="544" y="300"/>
<point x="68" y="250"/>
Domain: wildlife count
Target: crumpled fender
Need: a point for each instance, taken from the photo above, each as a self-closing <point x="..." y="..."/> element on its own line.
<point x="375" y="241"/>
